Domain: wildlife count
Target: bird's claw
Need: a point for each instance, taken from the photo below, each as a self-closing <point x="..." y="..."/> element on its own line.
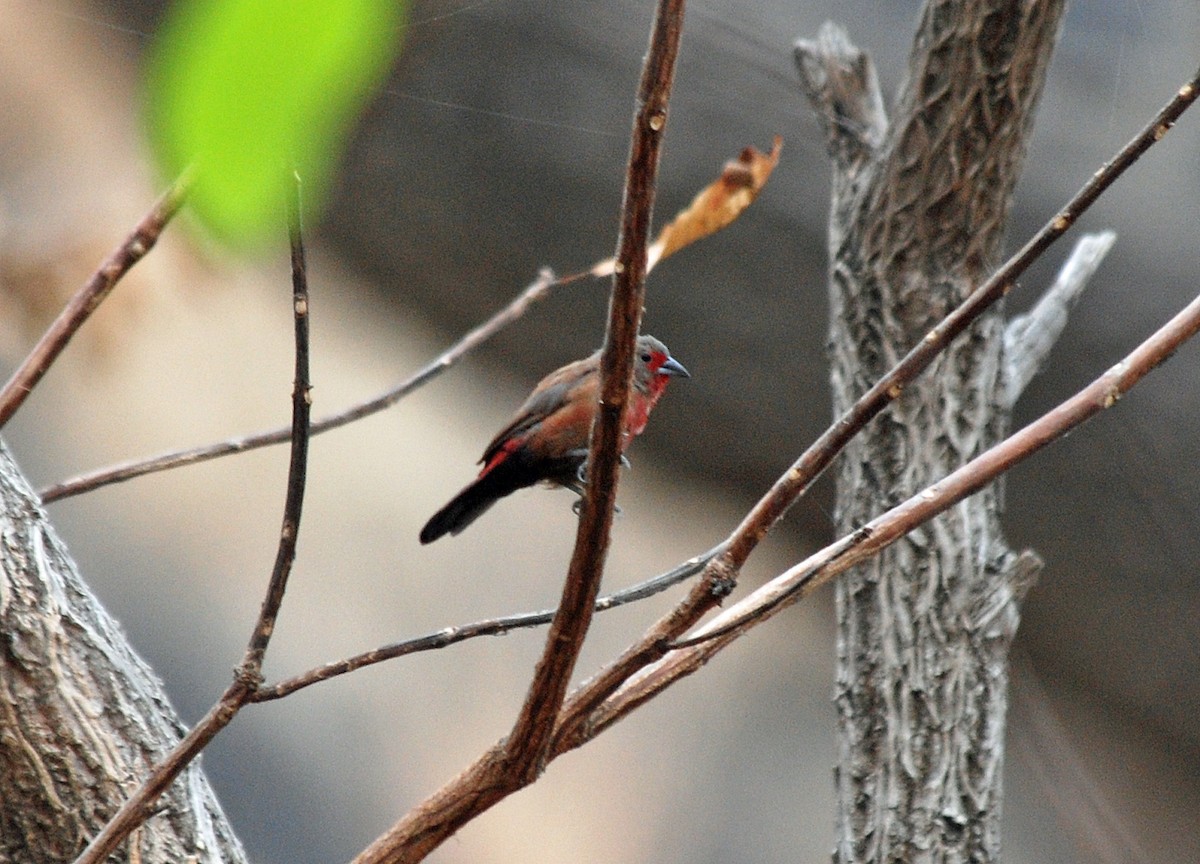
<point x="581" y="471"/>
<point x="579" y="487"/>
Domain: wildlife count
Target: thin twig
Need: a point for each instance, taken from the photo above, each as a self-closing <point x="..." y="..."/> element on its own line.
<point x="285" y="555"/>
<point x="140" y="805"/>
<point x="537" y="290"/>
<point x="488" y="627"/>
<point x="85" y="301"/>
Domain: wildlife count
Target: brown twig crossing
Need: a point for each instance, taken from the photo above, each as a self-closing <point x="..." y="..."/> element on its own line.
<point x="586" y="711"/>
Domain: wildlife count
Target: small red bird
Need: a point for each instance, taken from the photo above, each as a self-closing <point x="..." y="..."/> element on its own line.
<point x="547" y="438"/>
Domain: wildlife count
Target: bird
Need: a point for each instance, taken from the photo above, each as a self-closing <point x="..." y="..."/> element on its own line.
<point x="547" y="438"/>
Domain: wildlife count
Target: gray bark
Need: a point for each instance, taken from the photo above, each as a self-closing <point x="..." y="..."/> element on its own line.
<point x="82" y="717"/>
<point x="1029" y="338"/>
<point x="917" y="221"/>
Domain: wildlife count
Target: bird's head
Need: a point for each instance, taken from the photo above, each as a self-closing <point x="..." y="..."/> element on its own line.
<point x="653" y="366"/>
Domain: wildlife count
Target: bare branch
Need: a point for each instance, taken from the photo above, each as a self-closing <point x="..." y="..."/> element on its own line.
<point x="802" y="579"/>
<point x="489" y="627"/>
<point x="85" y="301"/>
<point x="537" y="290"/>
<point x="1029" y="338"/>
<point x="139" y="806"/>
<point x="285" y="555"/>
<point x="531" y="735"/>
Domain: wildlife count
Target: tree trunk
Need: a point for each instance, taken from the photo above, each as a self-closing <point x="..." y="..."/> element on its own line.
<point x="917" y="221"/>
<point x="82" y="718"/>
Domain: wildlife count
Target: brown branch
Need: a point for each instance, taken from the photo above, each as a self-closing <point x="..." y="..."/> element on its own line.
<point x="531" y="735"/>
<point x="785" y="589"/>
<point x="537" y="290"/>
<point x="140" y="805"/>
<point x="489" y="627"/>
<point x="285" y="555"/>
<point x="519" y="759"/>
<point x="576" y="724"/>
<point x="85" y="301"/>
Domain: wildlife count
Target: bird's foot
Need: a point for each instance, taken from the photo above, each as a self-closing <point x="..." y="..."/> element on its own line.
<point x="579" y="487"/>
<point x="581" y="471"/>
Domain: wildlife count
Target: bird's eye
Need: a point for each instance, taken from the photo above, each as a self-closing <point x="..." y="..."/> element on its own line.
<point x="646" y="357"/>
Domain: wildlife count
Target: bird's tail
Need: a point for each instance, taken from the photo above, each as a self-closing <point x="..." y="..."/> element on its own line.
<point x="468" y="505"/>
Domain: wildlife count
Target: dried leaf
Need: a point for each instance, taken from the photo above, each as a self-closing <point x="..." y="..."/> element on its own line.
<point x="717" y="205"/>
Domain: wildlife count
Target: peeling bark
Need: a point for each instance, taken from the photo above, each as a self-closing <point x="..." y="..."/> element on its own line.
<point x="1029" y="338"/>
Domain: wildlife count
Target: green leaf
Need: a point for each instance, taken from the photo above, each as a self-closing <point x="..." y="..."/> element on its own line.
<point x="250" y="90"/>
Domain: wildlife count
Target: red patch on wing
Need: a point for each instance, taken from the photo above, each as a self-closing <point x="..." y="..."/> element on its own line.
<point x="501" y="454"/>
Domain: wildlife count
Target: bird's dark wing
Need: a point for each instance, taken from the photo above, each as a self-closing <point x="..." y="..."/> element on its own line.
<point x="550" y="395"/>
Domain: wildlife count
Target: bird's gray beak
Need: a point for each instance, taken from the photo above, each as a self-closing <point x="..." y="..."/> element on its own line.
<point x="673" y="367"/>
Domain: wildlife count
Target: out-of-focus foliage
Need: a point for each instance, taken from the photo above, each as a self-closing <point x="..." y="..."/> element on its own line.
<point x="248" y="90"/>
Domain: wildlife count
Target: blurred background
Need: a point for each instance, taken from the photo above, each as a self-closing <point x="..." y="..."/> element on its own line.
<point x="497" y="147"/>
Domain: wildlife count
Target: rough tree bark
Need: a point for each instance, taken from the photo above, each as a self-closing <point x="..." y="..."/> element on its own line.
<point x="917" y="220"/>
<point x="82" y="718"/>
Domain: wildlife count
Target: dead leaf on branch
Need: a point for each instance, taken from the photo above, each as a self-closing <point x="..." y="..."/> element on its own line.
<point x="717" y="205"/>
